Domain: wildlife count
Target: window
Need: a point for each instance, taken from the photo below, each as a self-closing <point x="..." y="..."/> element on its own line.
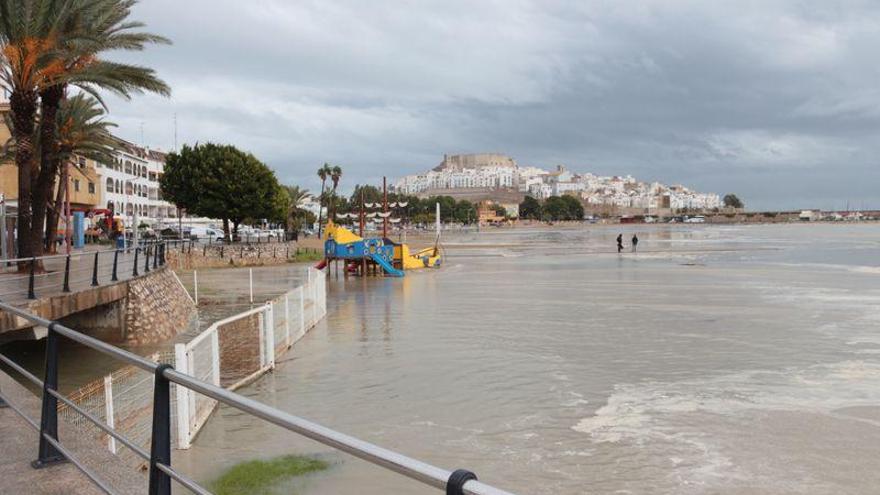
<point x="91" y="187"/>
<point x="110" y="186"/>
<point x="128" y="167"/>
<point x="76" y="185"/>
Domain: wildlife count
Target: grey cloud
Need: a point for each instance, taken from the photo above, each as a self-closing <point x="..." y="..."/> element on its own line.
<point x="774" y="100"/>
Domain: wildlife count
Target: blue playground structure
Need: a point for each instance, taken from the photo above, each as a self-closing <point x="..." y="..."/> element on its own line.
<point x="380" y="251"/>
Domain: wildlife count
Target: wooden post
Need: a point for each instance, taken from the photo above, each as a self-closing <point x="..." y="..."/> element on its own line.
<point x="384" y="207"/>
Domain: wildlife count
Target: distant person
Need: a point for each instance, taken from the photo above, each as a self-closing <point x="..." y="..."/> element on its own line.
<point x="619" y="243"/>
<point x="635" y="241"/>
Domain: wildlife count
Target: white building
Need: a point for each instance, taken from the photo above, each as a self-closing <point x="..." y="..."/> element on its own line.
<point x="131" y="185"/>
<point x="491" y="171"/>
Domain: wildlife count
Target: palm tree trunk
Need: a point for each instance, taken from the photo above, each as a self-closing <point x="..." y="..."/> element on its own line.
<point x="50" y="101"/>
<point x="23" y="106"/>
<point x="55" y="213"/>
<point x="320" y="207"/>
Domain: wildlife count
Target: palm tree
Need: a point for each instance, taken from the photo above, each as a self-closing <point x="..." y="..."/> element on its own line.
<point x="297" y="196"/>
<point x="44" y="46"/>
<point x="28" y="30"/>
<point x="335" y="175"/>
<point x="323" y="173"/>
<point x="102" y="26"/>
<point x="82" y="131"/>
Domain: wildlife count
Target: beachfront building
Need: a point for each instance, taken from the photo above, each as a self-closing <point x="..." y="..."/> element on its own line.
<point x="83" y="179"/>
<point x="486" y="213"/>
<point x="131" y="185"/>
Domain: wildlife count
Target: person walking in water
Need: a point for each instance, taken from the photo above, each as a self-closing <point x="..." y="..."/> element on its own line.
<point x="635" y="241"/>
<point x="619" y="243"/>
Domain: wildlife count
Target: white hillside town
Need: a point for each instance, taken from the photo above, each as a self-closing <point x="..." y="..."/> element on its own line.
<point x="496" y="171"/>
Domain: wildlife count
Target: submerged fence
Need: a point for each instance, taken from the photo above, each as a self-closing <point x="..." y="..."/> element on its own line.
<point x="161" y="473"/>
<point x="229" y="354"/>
<point x="234" y="351"/>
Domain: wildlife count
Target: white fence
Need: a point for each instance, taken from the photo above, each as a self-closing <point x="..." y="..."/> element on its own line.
<point x="230" y="353"/>
<point x="235" y="351"/>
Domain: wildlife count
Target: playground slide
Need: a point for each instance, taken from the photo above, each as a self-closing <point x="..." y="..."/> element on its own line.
<point x="389" y="269"/>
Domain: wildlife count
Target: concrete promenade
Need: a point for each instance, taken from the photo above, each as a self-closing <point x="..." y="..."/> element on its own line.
<point x="14" y="284"/>
<point x="18" y="447"/>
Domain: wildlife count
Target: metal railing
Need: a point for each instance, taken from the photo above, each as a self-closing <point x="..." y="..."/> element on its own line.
<point x="90" y="268"/>
<point x="51" y="450"/>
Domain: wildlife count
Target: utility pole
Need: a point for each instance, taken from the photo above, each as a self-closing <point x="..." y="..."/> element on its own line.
<point x="68" y="231"/>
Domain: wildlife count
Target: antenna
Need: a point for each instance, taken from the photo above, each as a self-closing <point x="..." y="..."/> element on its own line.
<point x="142" y="133"/>
<point x="175" y="131"/>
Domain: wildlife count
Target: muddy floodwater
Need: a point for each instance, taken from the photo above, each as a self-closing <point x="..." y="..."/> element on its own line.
<point x="718" y="359"/>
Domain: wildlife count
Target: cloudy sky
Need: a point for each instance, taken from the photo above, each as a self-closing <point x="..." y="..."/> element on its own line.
<point x="778" y="101"/>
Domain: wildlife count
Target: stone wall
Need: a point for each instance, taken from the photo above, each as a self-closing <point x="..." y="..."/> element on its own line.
<point x="157" y="308"/>
<point x="218" y="256"/>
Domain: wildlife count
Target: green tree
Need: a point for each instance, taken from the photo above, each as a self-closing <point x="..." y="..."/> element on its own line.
<point x="530" y="208"/>
<point x="371" y="194"/>
<point x="732" y="201"/>
<point x="46" y="45"/>
<point x="558" y="208"/>
<point x="465" y="212"/>
<point x="220" y="181"/>
<point x="573" y="207"/>
<point x="297" y="217"/>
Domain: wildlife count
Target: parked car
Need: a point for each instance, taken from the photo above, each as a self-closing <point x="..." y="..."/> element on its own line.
<point x="207" y="234"/>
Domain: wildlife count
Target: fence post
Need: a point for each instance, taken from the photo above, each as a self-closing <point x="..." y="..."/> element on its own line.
<point x="215" y="357"/>
<point x="160" y="446"/>
<point x="180" y="364"/>
<point x="134" y="270"/>
<point x="48" y="454"/>
<point x="95" y="271"/>
<point x="302" y="311"/>
<point x="155" y="256"/>
<point x="31" y="293"/>
<point x="287" y="318"/>
<point x="196" y="287"/>
<point x="146" y="259"/>
<point x="251" y="280"/>
<point x="261" y="334"/>
<point x="270" y="335"/>
<point x="113" y="276"/>
<point x="108" y="410"/>
<point x="66" y="287"/>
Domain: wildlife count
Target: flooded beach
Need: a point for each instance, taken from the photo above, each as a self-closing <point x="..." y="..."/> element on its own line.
<point x="735" y="359"/>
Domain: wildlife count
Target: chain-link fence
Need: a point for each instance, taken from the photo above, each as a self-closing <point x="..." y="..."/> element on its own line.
<point x="230" y="353"/>
<point x="124" y="400"/>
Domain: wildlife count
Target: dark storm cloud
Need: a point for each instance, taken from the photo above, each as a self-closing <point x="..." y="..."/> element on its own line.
<point x="776" y="101"/>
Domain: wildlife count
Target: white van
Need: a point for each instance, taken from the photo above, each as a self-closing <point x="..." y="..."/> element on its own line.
<point x="206" y="234"/>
